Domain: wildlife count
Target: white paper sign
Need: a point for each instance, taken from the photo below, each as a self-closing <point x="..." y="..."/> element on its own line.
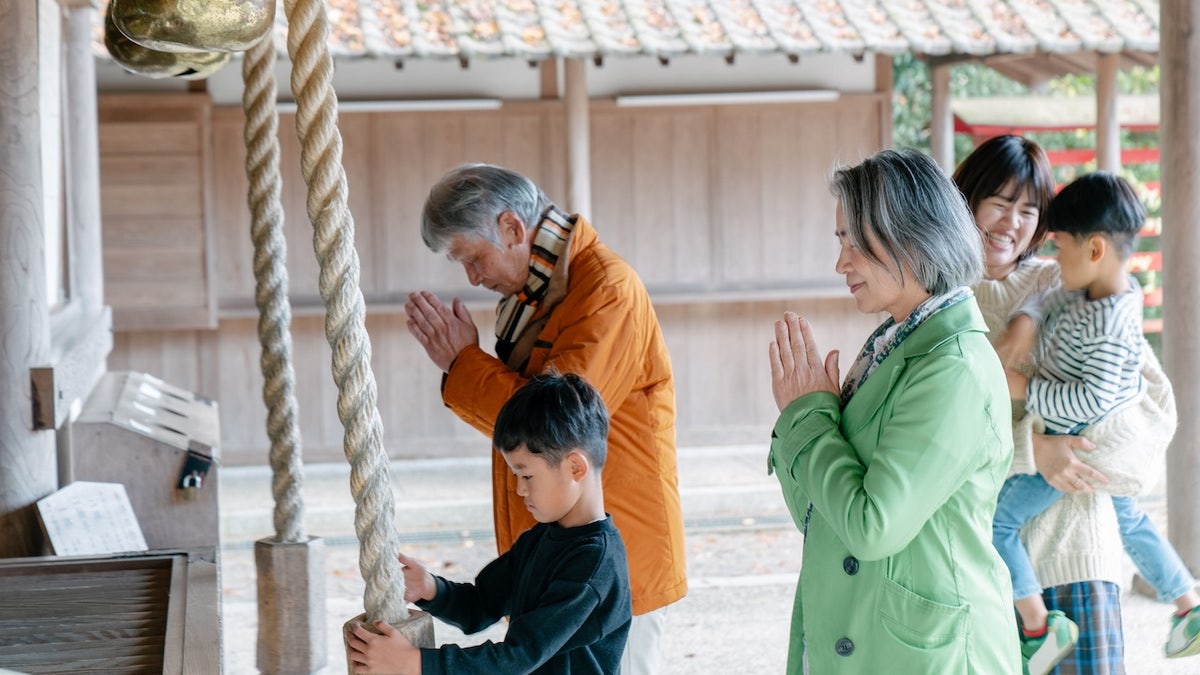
<point x="87" y="518"/>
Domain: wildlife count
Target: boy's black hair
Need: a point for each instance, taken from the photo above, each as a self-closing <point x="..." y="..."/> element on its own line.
<point x="1099" y="203"/>
<point x="553" y="414"/>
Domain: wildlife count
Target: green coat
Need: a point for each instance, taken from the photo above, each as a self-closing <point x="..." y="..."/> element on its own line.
<point x="899" y="574"/>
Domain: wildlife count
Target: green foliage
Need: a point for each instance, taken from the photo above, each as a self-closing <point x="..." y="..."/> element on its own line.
<point x="911" y="102"/>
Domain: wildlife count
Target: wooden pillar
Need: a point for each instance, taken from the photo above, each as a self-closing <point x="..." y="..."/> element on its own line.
<point x="1108" y="123"/>
<point x="28" y="469"/>
<point x="83" y="160"/>
<point x="579" y="163"/>
<point x="1179" y="133"/>
<point x="941" y="122"/>
<point x="548" y="77"/>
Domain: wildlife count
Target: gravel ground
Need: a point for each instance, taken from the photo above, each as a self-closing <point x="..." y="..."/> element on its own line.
<point x="734" y="619"/>
<point x="735" y="616"/>
<point x="742" y="569"/>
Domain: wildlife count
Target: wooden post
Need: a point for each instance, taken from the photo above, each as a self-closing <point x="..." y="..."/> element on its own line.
<point x="1179" y="131"/>
<point x="548" y="76"/>
<point x="83" y="160"/>
<point x="941" y="122"/>
<point x="291" y="606"/>
<point x="579" y="163"/>
<point x="28" y="470"/>
<point x="1108" y="123"/>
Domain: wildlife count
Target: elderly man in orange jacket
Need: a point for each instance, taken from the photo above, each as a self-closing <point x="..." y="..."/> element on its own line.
<point x="571" y="304"/>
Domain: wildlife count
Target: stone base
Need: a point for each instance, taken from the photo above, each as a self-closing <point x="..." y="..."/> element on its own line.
<point x="418" y="628"/>
<point x="291" y="606"/>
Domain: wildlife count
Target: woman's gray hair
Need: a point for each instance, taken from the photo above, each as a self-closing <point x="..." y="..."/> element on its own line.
<point x="916" y="216"/>
<point x="469" y="199"/>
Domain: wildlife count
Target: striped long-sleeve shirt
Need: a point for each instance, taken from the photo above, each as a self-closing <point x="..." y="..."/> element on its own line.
<point x="1091" y="358"/>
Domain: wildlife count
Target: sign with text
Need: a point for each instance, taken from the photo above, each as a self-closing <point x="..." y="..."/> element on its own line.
<point x="87" y="518"/>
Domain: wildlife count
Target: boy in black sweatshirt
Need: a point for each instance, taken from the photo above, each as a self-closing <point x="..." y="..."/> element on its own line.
<point x="565" y="582"/>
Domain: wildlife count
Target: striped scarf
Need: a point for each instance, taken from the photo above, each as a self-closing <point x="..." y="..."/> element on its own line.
<point x="515" y="311"/>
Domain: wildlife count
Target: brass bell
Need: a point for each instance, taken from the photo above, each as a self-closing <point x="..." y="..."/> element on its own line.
<point x="194" y="25"/>
<point x="155" y="64"/>
<point x="202" y="65"/>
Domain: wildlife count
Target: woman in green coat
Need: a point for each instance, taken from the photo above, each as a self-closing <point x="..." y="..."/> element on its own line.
<point x="893" y="475"/>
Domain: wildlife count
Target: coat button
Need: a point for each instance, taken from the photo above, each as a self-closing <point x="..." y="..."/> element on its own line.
<point x="844" y="647"/>
<point x="850" y="565"/>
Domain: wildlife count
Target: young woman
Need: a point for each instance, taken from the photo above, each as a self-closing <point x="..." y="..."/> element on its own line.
<point x="1075" y="545"/>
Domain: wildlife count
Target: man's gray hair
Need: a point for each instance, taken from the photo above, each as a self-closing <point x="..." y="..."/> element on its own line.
<point x="915" y="215"/>
<point x="469" y="199"/>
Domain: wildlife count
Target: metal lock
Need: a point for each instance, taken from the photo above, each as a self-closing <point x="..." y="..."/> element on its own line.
<point x="195" y="468"/>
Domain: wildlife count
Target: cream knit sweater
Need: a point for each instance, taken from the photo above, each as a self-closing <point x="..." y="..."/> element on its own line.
<point x="1077" y="539"/>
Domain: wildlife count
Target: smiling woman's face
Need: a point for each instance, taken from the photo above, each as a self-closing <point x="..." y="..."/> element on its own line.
<point x="1007" y="221"/>
<point x="872" y="285"/>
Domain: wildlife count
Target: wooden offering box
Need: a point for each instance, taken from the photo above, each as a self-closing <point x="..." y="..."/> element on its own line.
<point x="147" y="613"/>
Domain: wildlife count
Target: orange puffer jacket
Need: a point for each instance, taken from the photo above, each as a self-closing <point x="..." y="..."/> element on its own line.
<point x="605" y="330"/>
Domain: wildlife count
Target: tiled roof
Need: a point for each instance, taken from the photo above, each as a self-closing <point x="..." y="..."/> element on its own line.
<point x="538" y="29"/>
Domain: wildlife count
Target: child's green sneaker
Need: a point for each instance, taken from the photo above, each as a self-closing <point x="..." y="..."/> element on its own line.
<point x="1184" y="631"/>
<point x="1041" y="654"/>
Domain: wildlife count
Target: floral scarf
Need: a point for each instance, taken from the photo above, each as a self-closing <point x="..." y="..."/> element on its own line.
<point x="890" y="334"/>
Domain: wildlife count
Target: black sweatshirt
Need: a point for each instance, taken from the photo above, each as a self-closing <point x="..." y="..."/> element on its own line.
<point x="566" y="593"/>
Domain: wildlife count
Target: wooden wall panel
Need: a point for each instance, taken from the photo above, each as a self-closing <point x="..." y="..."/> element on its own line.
<point x="613" y="180"/>
<point x="859" y="127"/>
<point x="651" y="190"/>
<point x="776" y="213"/>
<point x="173" y="356"/>
<point x="724" y="211"/>
<point x="715" y="348"/>
<point x="415" y="422"/>
<point x="722" y="347"/>
<point x="690" y="249"/>
<point x="391" y="161"/>
<point x="399" y="184"/>
<point x="231" y="215"/>
<point x="358" y="148"/>
<point x="171" y="137"/>
<point x="154" y="169"/>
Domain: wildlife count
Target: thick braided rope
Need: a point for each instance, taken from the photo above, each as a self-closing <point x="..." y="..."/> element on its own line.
<point x="345" y="327"/>
<point x="271" y="286"/>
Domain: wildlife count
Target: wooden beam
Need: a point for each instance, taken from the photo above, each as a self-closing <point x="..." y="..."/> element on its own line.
<point x="579" y="163"/>
<point x="941" y="123"/>
<point x="1108" y="121"/>
<point x="27" y="466"/>
<point x="1180" y="134"/>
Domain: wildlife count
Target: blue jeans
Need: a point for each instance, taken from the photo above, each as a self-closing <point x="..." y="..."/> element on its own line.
<point x="1151" y="553"/>
<point x="1023" y="496"/>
